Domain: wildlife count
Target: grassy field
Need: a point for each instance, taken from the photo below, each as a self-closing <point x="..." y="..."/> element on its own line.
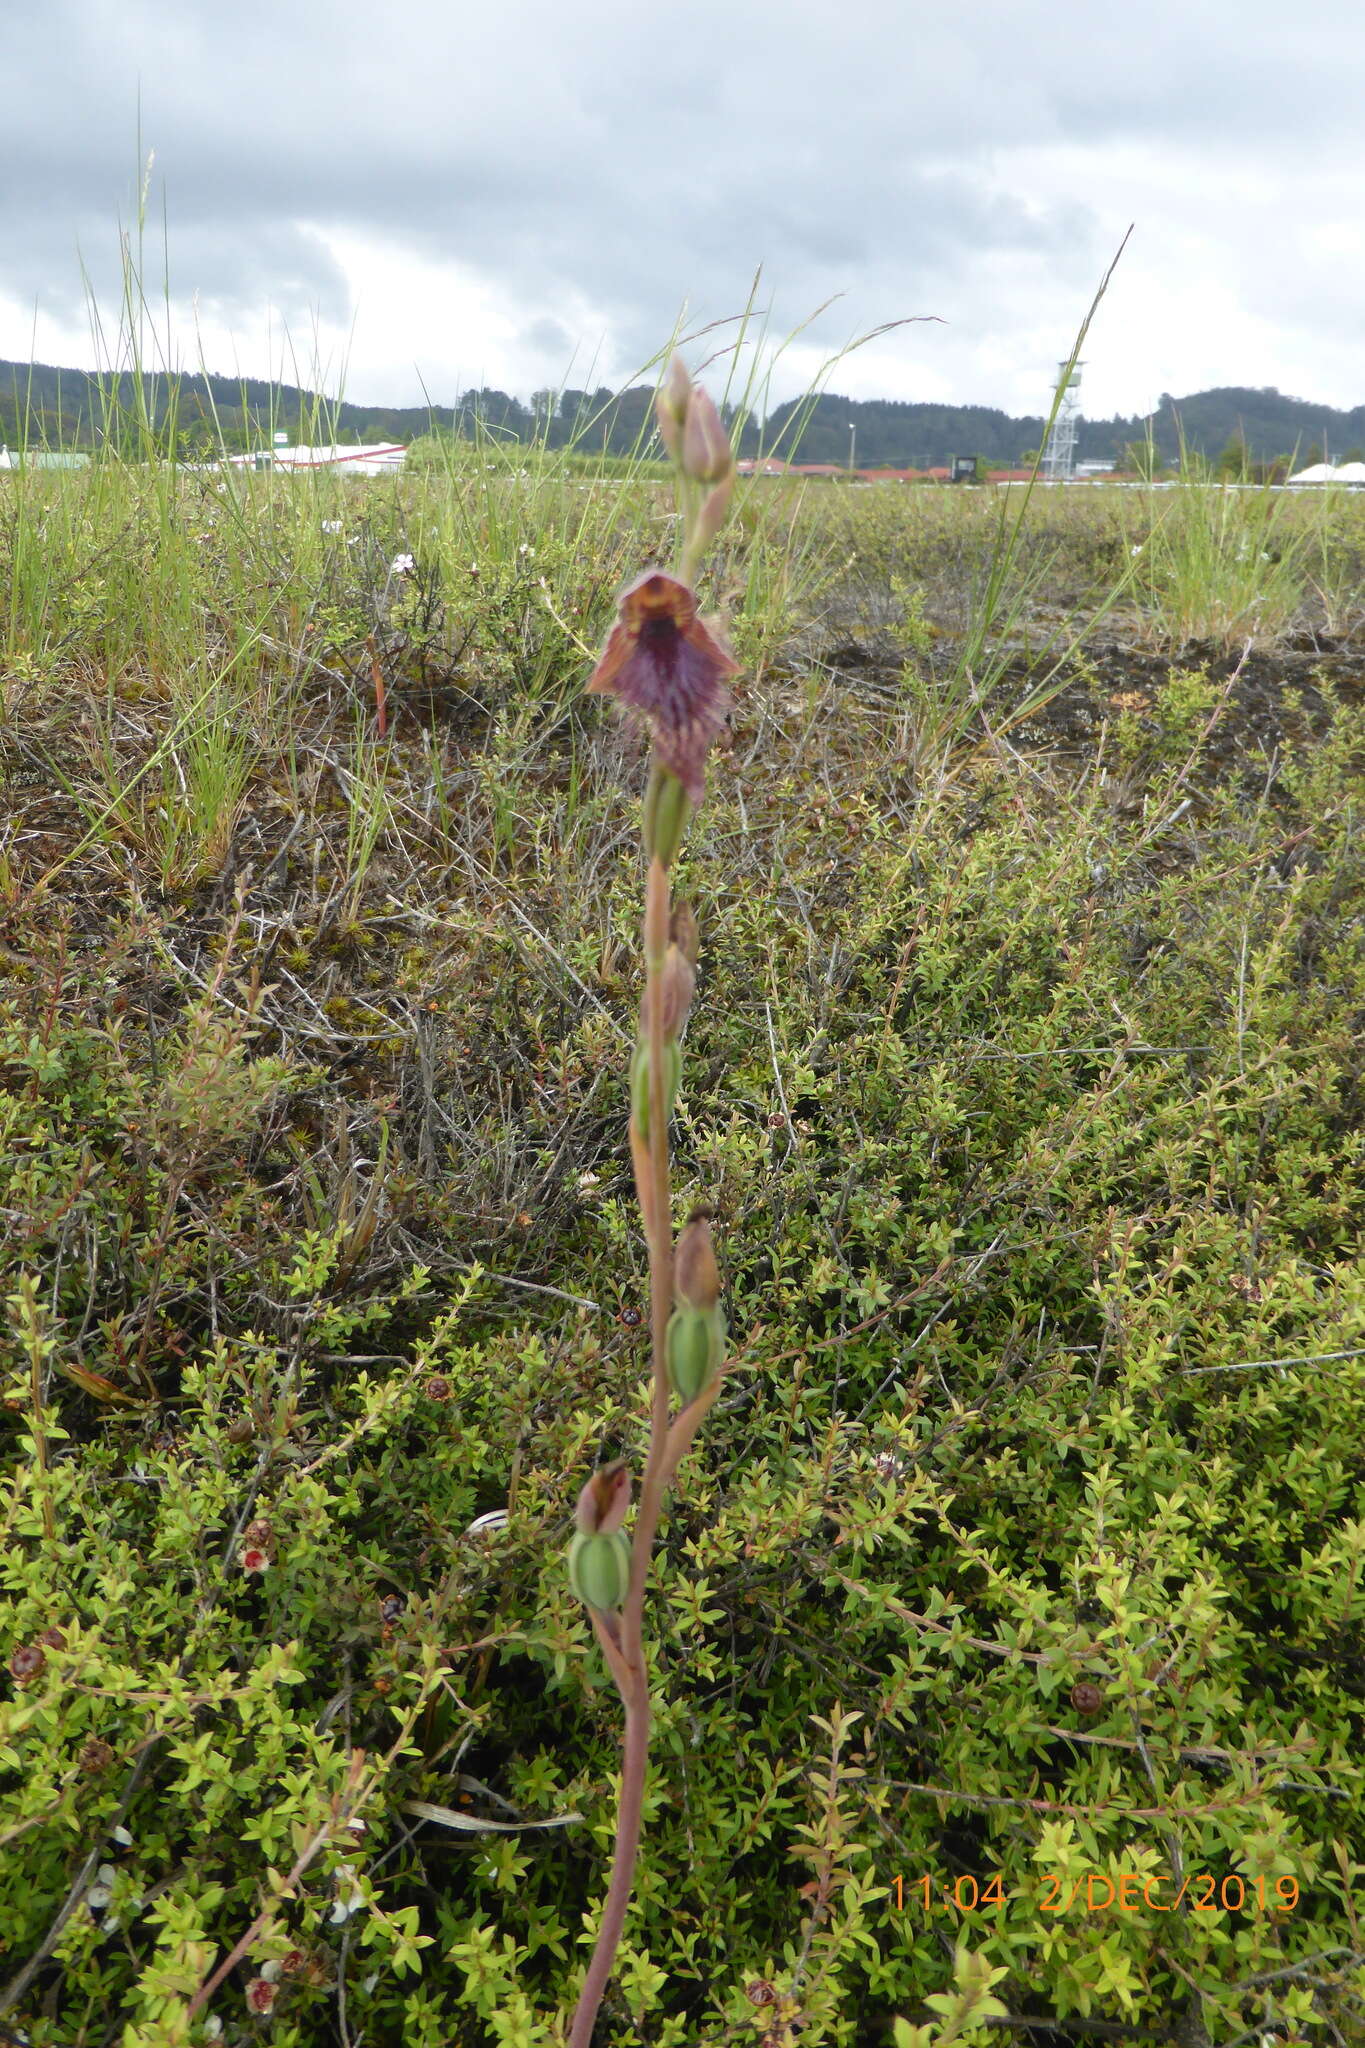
<point x="1012" y="1619"/>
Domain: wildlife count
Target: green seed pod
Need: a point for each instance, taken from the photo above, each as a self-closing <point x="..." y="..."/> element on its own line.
<point x="696" y="1350"/>
<point x="666" y="813"/>
<point x="639" y="1082"/>
<point x="599" y="1569"/>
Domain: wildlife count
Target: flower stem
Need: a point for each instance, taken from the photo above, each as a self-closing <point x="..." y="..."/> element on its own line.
<point x="634" y="1757"/>
<point x="625" y="1652"/>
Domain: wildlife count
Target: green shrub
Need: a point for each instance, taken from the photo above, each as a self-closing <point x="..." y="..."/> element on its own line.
<point x="1024" y="1553"/>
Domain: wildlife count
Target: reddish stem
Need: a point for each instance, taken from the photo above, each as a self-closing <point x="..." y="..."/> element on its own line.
<point x="624" y="1648"/>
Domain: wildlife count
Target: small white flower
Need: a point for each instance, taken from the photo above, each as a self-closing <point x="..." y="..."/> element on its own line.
<point x="122" y="1837"/>
<point x="328" y="526"/>
<point x="213" y="2027"/>
<point x="99" y="1893"/>
<point x="588" y="1181"/>
<point x="402" y="565"/>
<point x="349" y="1899"/>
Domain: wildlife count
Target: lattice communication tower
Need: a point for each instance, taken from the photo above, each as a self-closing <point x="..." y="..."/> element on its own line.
<point x="1059" y="456"/>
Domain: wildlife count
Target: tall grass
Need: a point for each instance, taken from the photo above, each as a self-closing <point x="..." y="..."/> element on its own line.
<point x="1220" y="561"/>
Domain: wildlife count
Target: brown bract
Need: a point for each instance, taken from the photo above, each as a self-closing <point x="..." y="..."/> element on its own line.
<point x="664" y="664"/>
<point x="696" y="1277"/>
<point x="605" y="1501"/>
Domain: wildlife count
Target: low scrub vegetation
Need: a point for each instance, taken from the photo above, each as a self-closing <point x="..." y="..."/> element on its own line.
<point x="1008" y="1625"/>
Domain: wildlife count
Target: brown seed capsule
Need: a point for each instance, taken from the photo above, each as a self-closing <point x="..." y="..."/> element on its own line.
<point x="629" y="1318"/>
<point x="1087" y="1698"/>
<point x="259" y="1532"/>
<point x="760" y="1992"/>
<point x="26" y="1663"/>
<point x="438" y="1388"/>
<point x="241" y="1430"/>
<point x="260" y="1995"/>
<point x="95" y="1756"/>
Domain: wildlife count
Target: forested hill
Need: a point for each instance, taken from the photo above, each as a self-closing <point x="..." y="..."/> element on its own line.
<point x="41" y="404"/>
<point x="910" y="436"/>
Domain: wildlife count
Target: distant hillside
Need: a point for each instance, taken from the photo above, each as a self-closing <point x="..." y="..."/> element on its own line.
<point x="43" y="405"/>
<point x="40" y="403"/>
<point x="910" y="436"/>
<point x="1269" y="423"/>
<point x="77" y="409"/>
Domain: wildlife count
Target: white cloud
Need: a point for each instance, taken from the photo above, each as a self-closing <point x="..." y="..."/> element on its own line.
<point x="451" y="196"/>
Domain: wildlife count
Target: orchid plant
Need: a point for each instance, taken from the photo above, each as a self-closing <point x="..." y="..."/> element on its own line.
<point x="667" y="667"/>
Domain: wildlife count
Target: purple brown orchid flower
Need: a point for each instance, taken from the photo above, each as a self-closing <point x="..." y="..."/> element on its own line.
<point x="663" y="662"/>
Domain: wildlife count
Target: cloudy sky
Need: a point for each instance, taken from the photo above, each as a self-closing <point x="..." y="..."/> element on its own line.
<point x="423" y="198"/>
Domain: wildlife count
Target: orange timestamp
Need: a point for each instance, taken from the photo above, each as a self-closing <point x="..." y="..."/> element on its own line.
<point x="1095" y="1891"/>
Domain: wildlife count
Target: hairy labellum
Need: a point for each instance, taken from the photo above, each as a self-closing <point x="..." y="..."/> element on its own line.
<point x="668" y="667"/>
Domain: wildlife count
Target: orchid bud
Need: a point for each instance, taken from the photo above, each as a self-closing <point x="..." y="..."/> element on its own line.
<point x="714" y="511"/>
<point x="696" y="1328"/>
<point x="639" y="1082"/>
<point x="706" y="453"/>
<point x="605" y="1501"/>
<point x="696" y="1350"/>
<point x="666" y="813"/>
<point x="670" y="406"/>
<point x="599" y="1569"/>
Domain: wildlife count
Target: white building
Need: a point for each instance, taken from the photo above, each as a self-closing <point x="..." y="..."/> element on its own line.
<point x="375" y="458"/>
